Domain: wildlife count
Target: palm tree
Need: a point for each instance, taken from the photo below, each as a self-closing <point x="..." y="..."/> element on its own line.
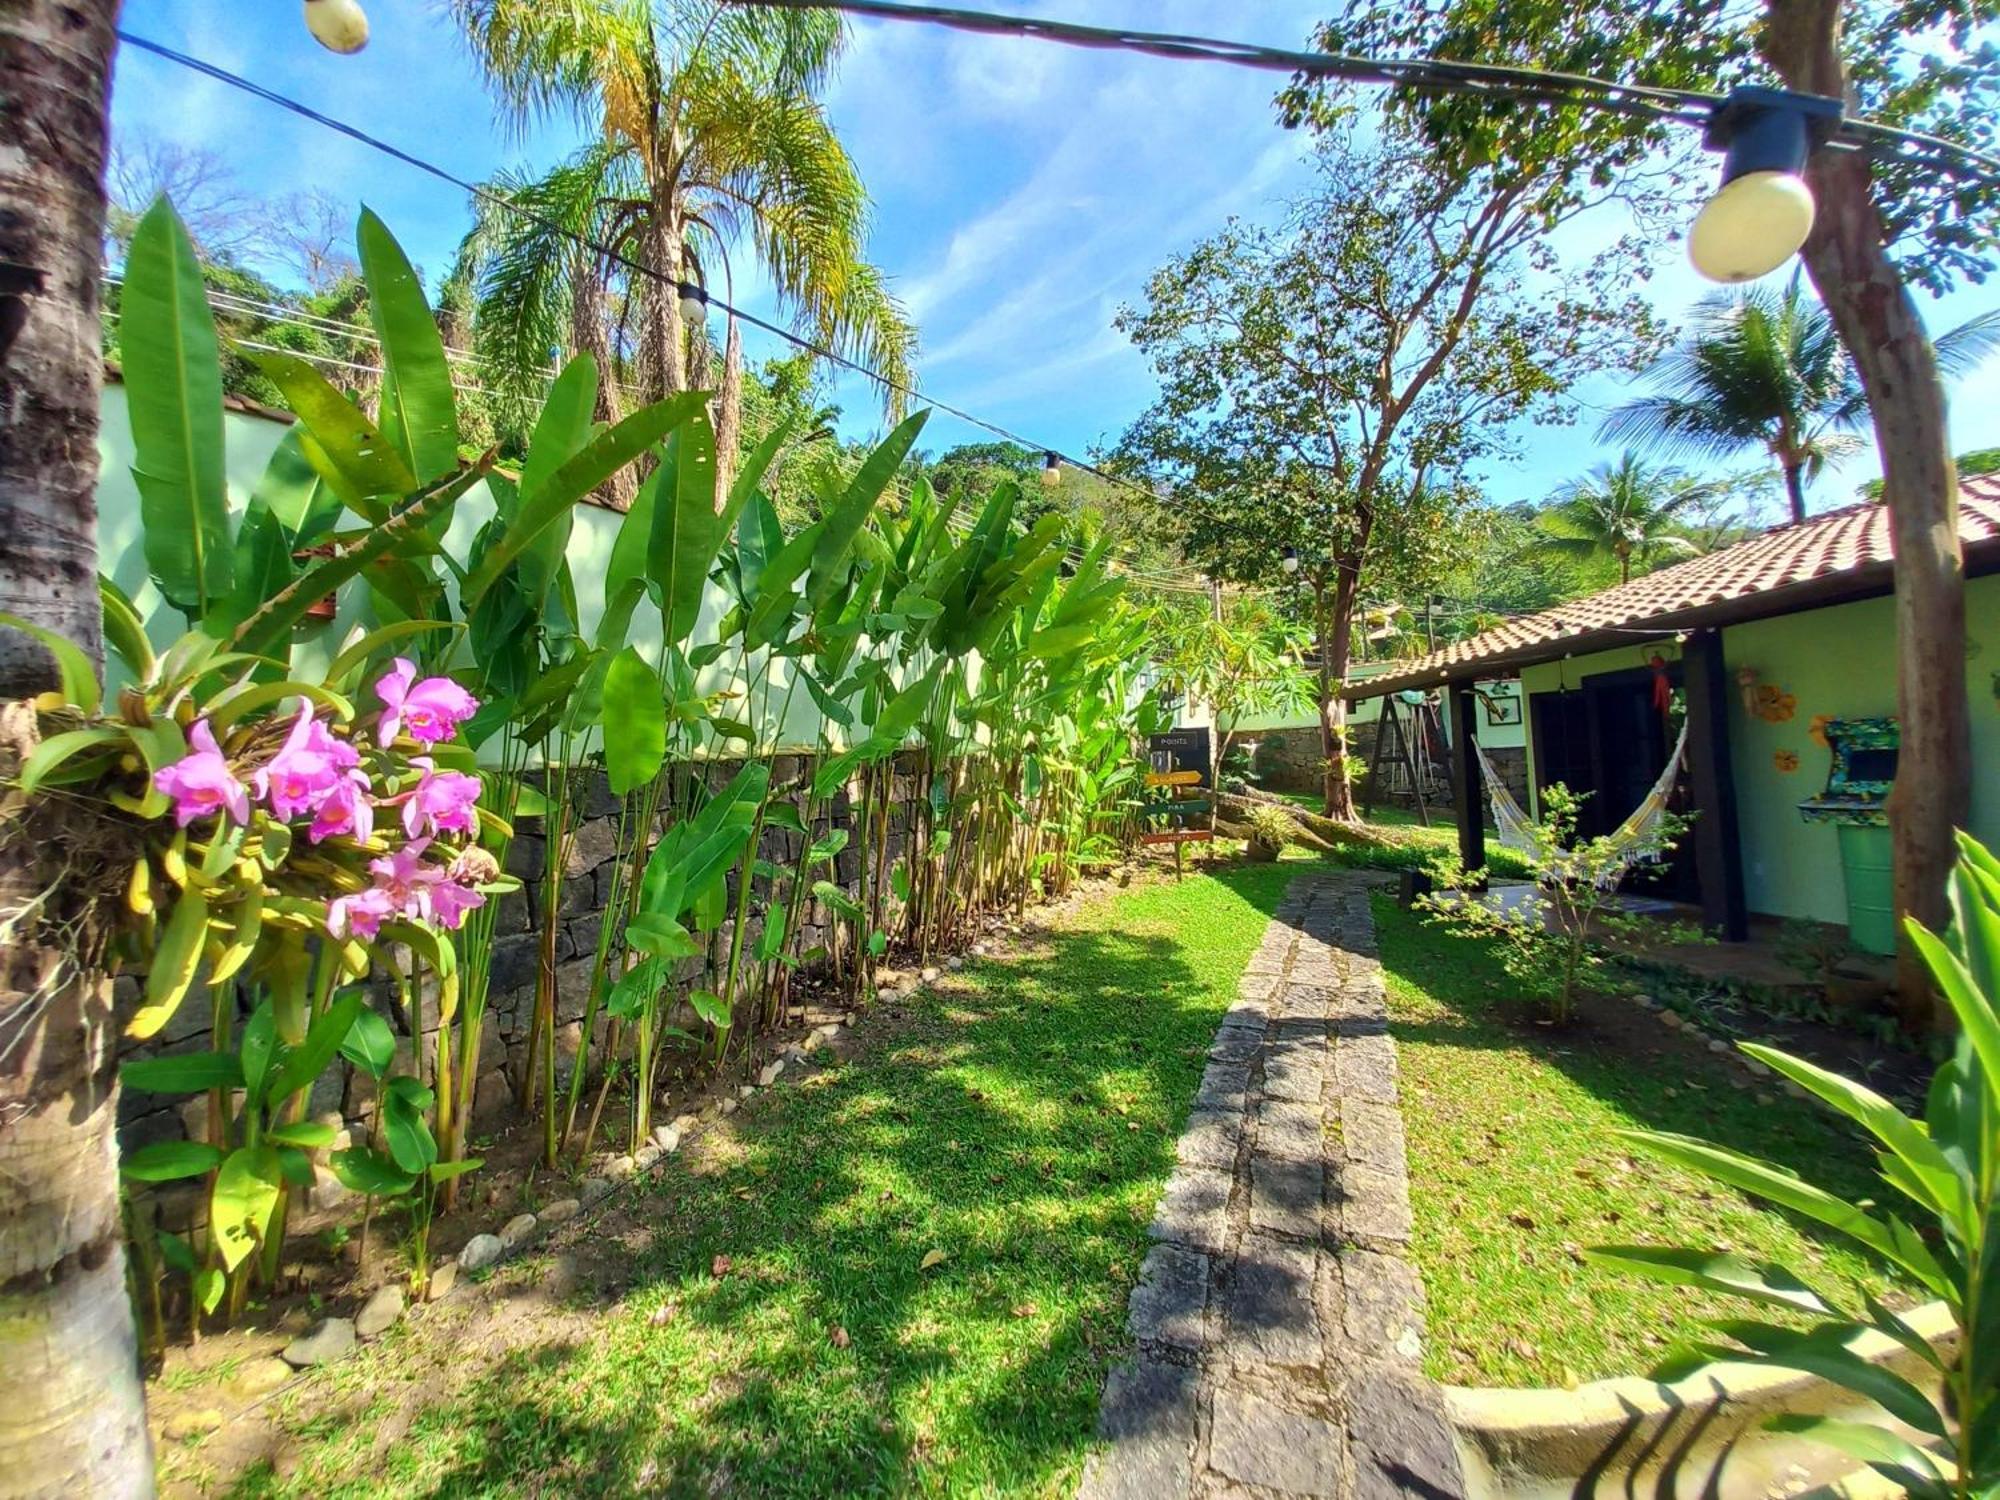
<point x="1765" y="368"/>
<point x="709" y="135"/>
<point x="75" y="1419"/>
<point x="1624" y="511"/>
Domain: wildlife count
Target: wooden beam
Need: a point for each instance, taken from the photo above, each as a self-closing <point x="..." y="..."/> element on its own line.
<point x="1718" y="842"/>
<point x="1466" y="789"/>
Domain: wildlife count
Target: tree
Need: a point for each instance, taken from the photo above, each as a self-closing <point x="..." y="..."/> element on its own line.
<point x="1325" y="386"/>
<point x="69" y="1375"/>
<point x="1240" y="666"/>
<point x="1932" y="66"/>
<point x="1765" y="368"/>
<point x="1624" y="511"/>
<point x="708" y="133"/>
<point x="225" y="222"/>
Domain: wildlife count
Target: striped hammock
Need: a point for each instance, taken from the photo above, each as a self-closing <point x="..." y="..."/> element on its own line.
<point x="1524" y="835"/>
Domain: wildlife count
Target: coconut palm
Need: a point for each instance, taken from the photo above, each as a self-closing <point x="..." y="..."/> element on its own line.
<point x="1765" y="368"/>
<point x="1625" y="511"/>
<point x="709" y="137"/>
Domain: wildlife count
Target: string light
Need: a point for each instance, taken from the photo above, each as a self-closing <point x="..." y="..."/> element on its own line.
<point x="337" y="25"/>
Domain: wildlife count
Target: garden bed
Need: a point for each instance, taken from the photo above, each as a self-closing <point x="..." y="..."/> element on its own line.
<point x="1513" y="1171"/>
<point x="904" y="1271"/>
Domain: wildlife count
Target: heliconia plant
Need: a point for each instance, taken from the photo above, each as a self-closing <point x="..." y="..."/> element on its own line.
<point x="1945" y="1170"/>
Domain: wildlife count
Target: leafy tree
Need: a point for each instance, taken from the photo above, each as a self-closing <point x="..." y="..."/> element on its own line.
<point x="1624" y="511"/>
<point x="1765" y="368"/>
<point x="1325" y="385"/>
<point x="709" y="135"/>
<point x="1929" y="65"/>
<point x="1245" y="664"/>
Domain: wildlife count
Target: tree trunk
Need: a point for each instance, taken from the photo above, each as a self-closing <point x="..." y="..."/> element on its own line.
<point x="72" y="1408"/>
<point x="729" y="415"/>
<point x="1795" y="490"/>
<point x="589" y="335"/>
<point x="662" y="341"/>
<point x="1880" y="325"/>
<point x="1336" y="636"/>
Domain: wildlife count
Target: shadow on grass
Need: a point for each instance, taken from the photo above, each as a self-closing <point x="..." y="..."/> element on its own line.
<point x="906" y="1274"/>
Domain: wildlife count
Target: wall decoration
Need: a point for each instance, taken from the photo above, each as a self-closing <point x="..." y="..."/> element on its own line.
<point x="1818" y="729"/>
<point x="1786" y="761"/>
<point x="1774" y="705"/>
<point x="1503" y="710"/>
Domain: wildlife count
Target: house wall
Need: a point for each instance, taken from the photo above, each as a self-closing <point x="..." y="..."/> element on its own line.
<point x="1839" y="662"/>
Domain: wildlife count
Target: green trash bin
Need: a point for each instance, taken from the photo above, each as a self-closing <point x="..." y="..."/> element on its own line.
<point x="1871" y="891"/>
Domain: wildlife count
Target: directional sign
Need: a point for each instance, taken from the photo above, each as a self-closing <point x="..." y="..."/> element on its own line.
<point x="1180" y="803"/>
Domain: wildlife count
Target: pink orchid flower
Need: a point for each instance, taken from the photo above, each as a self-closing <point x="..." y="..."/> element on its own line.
<point x="441" y="801"/>
<point x="201" y="783"/>
<point x="309" y="767"/>
<point x="347" y="809"/>
<point x="360" y="915"/>
<point x="450" y="901"/>
<point x="408" y="879"/>
<point x="430" y="710"/>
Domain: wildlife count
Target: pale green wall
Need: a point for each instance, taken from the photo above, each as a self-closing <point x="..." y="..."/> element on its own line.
<point x="1493" y="736"/>
<point x="1838" y="661"/>
<point x="249" y="442"/>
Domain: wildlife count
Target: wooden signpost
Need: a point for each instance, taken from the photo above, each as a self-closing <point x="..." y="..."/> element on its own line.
<point x="1180" y="787"/>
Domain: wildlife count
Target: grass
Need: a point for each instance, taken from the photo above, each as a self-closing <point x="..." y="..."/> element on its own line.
<point x="1397" y="840"/>
<point x="1513" y="1170"/>
<point x="1013" y="1131"/>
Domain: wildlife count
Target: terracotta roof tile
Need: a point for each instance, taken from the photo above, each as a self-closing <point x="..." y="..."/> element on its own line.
<point x="1765" y="575"/>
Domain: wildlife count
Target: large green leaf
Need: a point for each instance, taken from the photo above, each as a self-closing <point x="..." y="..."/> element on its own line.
<point x="634" y="722"/>
<point x="561" y="432"/>
<point x="1713" y="1272"/>
<point x="419" y="407"/>
<point x="248" y="1186"/>
<point x="173" y="388"/>
<point x="73" y="668"/>
<point x="293" y="491"/>
<point x="687" y="533"/>
<point x="602" y="457"/>
<point x="168" y="1161"/>
<point x="369" y="1044"/>
<point x="183" y="1073"/>
<point x="323" y="1041"/>
<point x="1900" y="1459"/>
<point x="846" y="517"/>
<point x="1823" y="1353"/>
<point x="347" y="450"/>
<point x="370" y="1174"/>
<point x="124" y="631"/>
<point x="280" y="614"/>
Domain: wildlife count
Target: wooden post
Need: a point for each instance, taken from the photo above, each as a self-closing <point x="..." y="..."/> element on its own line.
<point x="1384" y="721"/>
<point x="1466" y="787"/>
<point x="1718" y="847"/>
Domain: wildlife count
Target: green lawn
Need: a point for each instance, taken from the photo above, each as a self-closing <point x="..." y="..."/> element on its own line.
<point x="1512" y="1171"/>
<point x="1021" y="1124"/>
<point x="1397" y="840"/>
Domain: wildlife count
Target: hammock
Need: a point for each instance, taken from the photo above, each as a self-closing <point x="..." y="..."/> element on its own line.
<point x="1523" y="834"/>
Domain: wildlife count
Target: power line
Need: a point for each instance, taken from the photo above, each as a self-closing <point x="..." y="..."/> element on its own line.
<point x="502" y="201"/>
<point x="1492" y="80"/>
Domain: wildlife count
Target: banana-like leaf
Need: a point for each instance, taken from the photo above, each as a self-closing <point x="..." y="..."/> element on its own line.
<point x="293" y="491"/>
<point x="561" y="432"/>
<point x="173" y="386"/>
<point x="124" y="631"/>
<point x="846" y="517"/>
<point x="1901" y="1460"/>
<point x="1976" y="1012"/>
<point x="1728" y="1274"/>
<point x="349" y="452"/>
<point x="74" y="669"/>
<point x="248" y="1185"/>
<point x="1821" y="1352"/>
<point x="634" y="721"/>
<point x="419" y="406"/>
<point x="685" y="534"/>
<point x="603" y="456"/>
<point x="776" y="601"/>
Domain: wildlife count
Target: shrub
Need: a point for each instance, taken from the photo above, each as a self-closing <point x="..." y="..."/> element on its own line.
<point x="1272" y="829"/>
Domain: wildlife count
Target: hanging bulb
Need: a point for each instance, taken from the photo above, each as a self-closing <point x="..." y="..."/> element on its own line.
<point x="1051" y="471"/>
<point x="337" y="25"/>
<point x="1764" y="210"/>
<point x="694" y="305"/>
<point x="1291" y="559"/>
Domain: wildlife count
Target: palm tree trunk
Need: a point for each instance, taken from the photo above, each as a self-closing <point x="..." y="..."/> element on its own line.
<point x="729" y="415"/>
<point x="1884" y="333"/>
<point x="588" y="335"/>
<point x="72" y="1409"/>
<point x="662" y="342"/>
<point x="1795" y="490"/>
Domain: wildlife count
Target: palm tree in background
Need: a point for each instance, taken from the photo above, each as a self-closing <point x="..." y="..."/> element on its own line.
<point x="1626" y="511"/>
<point x="1765" y="369"/>
<point x="709" y="136"/>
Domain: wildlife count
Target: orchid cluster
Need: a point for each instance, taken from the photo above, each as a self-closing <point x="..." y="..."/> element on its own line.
<point x="319" y="779"/>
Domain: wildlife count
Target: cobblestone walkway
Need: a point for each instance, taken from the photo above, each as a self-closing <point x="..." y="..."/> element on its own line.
<point x="1279" y="1326"/>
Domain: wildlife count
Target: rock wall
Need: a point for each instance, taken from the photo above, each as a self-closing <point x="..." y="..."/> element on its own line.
<point x="344" y="1096"/>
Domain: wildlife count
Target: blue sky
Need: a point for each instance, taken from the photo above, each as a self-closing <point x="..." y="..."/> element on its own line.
<point x="1022" y="190"/>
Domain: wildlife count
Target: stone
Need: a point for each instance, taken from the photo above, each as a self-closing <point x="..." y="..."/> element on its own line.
<point x="561" y="1211"/>
<point x="1211" y="1139"/>
<point x="1194" y="1209"/>
<point x="1718" y="1046"/>
<point x="191" y="1424"/>
<point x="771" y="1072"/>
<point x="1295" y="1068"/>
<point x="481" y="1251"/>
<point x="332" y="1340"/>
<point x="594" y="1189"/>
<point x="929" y="974"/>
<point x="647" y="1157"/>
<point x="379" y="1313"/>
<point x="1671" y="1019"/>
<point x="492" y="1094"/>
<point x="1272" y="1314"/>
<point x="516" y="1230"/>
<point x="1285" y="1195"/>
<point x="443" y="1278"/>
<point x="1404" y="1447"/>
<point x="667" y="1137"/>
<point x="1384" y="1304"/>
<point x="1236" y="1044"/>
<point x="729" y="1106"/>
<point x="1170" y="1300"/>
<point x="590" y="845"/>
<point x="1288" y="1128"/>
<point x="1223" y="1086"/>
<point x="1255" y="1441"/>
<point x="1372" y="1134"/>
<point x="1375" y="1206"/>
<point x="954" y="963"/>
<point x="328" y="1192"/>
<point x="257" y="1378"/>
<point x="1756" y="1069"/>
<point x="1147" y="1421"/>
<point x="1365" y="1068"/>
<point x="620" y="1167"/>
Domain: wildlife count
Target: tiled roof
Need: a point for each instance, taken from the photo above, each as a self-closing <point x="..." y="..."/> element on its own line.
<point x="1787" y="568"/>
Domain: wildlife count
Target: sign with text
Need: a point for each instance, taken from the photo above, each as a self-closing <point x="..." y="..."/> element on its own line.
<point x="1180" y="785"/>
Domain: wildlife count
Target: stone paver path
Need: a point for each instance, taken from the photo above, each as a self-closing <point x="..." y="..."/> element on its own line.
<point x="1279" y="1324"/>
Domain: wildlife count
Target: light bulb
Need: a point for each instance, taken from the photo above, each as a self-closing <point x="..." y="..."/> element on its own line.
<point x="1051" y="471"/>
<point x="1753" y="226"/>
<point x="337" y="25"/>
<point x="1291" y="560"/>
<point x="694" y="305"/>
